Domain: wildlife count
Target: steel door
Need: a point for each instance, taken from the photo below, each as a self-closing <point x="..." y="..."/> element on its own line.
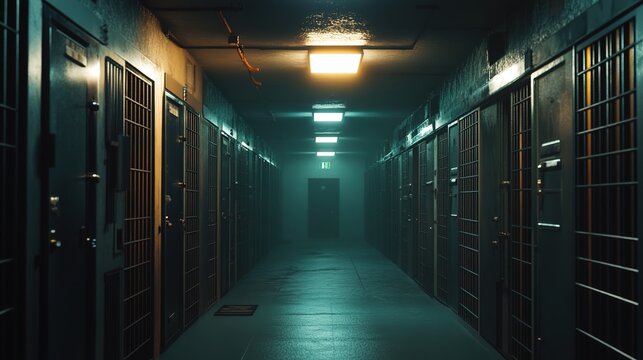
<point x="493" y="182"/>
<point x="173" y="213"/>
<point x="71" y="189"/>
<point x="406" y="212"/>
<point x="226" y="211"/>
<point x="453" y="242"/>
<point x="323" y="208"/>
<point x="552" y="91"/>
<point x="426" y="224"/>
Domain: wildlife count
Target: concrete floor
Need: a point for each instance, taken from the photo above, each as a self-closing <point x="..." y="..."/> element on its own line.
<point x="329" y="300"/>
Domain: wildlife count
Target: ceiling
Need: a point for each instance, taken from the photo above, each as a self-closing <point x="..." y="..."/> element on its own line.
<point x="410" y="48"/>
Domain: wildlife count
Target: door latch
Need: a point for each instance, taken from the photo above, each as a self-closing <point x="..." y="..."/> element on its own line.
<point x="53" y="204"/>
<point x="53" y="242"/>
<point x="91" y="178"/>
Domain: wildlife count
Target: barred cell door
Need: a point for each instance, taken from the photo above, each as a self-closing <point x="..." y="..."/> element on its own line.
<point x="138" y="242"/>
<point x="609" y="288"/>
<point x="11" y="259"/>
<point x="552" y="99"/>
<point x="469" y="218"/>
<point x="70" y="190"/>
<point x="442" y="212"/>
<point x="173" y="216"/>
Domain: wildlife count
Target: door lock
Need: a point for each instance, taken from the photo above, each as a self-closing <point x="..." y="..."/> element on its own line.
<point x="53" y="242"/>
<point x="53" y="204"/>
<point x="94" y="106"/>
<point x="91" y="242"/>
<point x="168" y="223"/>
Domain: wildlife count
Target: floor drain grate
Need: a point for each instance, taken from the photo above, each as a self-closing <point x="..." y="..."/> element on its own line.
<point x="236" y="310"/>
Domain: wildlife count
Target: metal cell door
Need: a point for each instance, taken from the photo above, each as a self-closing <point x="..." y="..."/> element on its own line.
<point x="69" y="245"/>
<point x="138" y="242"/>
<point x="406" y="214"/>
<point x="323" y="208"/>
<point x="554" y="178"/>
<point x="191" y="232"/>
<point x="396" y="182"/>
<point x="212" y="197"/>
<point x="234" y="224"/>
<point x="173" y="215"/>
<point x="453" y="244"/>
<point x="442" y="210"/>
<point x="608" y="249"/>
<point x="226" y="213"/>
<point x="520" y="252"/>
<point x="468" y="218"/>
<point x="426" y="215"/>
<point x="11" y="244"/>
<point x="242" y="210"/>
<point x="492" y="205"/>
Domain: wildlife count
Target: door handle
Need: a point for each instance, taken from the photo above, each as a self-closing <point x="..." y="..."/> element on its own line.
<point x="168" y="223"/>
<point x="54" y="243"/>
<point x="91" y="178"/>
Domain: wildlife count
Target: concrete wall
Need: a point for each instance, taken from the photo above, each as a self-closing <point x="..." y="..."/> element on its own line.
<point x="128" y="31"/>
<point x="295" y="172"/>
<point x="542" y="28"/>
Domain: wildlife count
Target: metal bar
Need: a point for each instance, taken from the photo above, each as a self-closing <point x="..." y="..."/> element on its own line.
<point x="607" y="235"/>
<point x="608" y="264"/>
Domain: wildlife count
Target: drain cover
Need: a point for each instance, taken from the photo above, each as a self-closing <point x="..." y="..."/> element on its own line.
<point x="236" y="310"/>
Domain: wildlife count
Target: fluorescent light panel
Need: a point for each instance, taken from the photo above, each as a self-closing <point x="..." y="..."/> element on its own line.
<point x="335" y="61"/>
<point x="326" y="139"/>
<point x="328" y="116"/>
<point x="325" y="153"/>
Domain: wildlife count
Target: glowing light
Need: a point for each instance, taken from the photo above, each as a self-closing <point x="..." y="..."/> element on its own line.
<point x="243" y="143"/>
<point x="506" y="77"/>
<point x="326" y="139"/>
<point x="326" y="153"/>
<point x="338" y="61"/>
<point x="328" y="116"/>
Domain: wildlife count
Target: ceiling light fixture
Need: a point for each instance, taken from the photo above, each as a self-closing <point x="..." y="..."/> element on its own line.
<point x="325" y="153"/>
<point x="326" y="139"/>
<point x="335" y="60"/>
<point x="328" y="116"/>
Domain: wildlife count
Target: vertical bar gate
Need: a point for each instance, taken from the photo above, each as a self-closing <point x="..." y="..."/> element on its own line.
<point x="139" y="236"/>
<point x="10" y="275"/>
<point x="468" y="219"/>
<point x="520" y="248"/>
<point x="191" y="219"/>
<point x="443" y="217"/>
<point x="606" y="197"/>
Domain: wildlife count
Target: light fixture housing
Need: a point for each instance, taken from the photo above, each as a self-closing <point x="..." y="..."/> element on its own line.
<point x="326" y="139"/>
<point x="328" y="116"/>
<point x="325" y="153"/>
<point x="335" y="60"/>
